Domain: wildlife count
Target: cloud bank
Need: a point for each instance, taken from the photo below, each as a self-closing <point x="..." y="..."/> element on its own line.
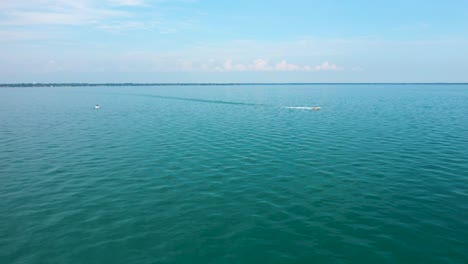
<point x="263" y="65"/>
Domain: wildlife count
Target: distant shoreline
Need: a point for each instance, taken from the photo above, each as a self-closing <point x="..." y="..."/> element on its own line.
<point x="208" y="84"/>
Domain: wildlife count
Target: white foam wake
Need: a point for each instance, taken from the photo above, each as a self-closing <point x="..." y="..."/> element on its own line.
<point x="304" y="107"/>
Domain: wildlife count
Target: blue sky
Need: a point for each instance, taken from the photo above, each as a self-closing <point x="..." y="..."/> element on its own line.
<point x="233" y="41"/>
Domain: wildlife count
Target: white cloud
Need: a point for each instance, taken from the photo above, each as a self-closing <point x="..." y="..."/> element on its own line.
<point x="326" y="66"/>
<point x="125" y="25"/>
<point x="56" y="12"/>
<point x="15" y="35"/>
<point x="48" y="18"/>
<point x="109" y="15"/>
<point x="42" y="4"/>
<point x="229" y="66"/>
<point x="260" y="65"/>
<point x="285" y="66"/>
<point x="127" y="2"/>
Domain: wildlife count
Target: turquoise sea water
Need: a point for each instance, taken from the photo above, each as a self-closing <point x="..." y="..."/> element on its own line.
<point x="226" y="174"/>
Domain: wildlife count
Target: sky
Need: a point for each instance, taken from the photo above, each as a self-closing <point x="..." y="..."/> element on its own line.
<point x="233" y="41"/>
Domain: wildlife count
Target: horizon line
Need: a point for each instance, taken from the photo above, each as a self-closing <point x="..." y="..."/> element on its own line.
<point x="63" y="84"/>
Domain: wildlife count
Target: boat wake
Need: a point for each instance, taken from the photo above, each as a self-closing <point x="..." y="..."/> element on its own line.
<point x="220" y="102"/>
<point x="196" y="100"/>
<point x="304" y="107"/>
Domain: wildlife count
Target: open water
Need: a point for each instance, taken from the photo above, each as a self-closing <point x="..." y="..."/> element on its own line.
<point x="229" y="174"/>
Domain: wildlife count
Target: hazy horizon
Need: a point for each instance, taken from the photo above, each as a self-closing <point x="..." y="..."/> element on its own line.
<point x="42" y="84"/>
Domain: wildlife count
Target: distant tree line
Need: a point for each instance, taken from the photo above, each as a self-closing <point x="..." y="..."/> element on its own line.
<point x="192" y="84"/>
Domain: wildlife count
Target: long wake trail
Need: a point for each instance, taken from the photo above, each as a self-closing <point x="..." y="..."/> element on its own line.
<point x="222" y="102"/>
<point x="197" y="100"/>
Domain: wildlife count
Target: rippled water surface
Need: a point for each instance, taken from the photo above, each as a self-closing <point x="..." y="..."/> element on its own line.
<point x="227" y="174"/>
